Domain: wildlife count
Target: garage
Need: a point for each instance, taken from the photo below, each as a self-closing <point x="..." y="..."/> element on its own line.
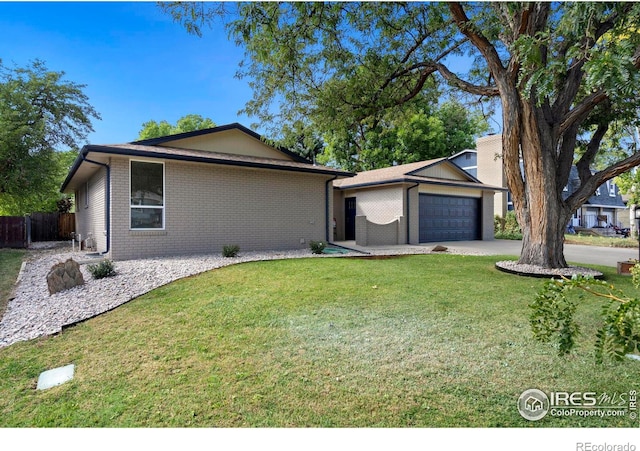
<point x="449" y="218"/>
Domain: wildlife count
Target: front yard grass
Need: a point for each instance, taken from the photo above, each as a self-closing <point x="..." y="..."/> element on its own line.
<point x="604" y="241"/>
<point x="416" y="341"/>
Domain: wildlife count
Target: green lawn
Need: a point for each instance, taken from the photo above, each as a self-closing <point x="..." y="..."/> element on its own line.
<point x="10" y="262"/>
<point x="588" y="240"/>
<point x="419" y="341"/>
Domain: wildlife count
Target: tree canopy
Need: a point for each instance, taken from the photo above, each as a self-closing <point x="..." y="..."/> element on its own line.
<point x="41" y="114"/>
<point x="420" y="132"/>
<point x="561" y="71"/>
<point x="188" y="123"/>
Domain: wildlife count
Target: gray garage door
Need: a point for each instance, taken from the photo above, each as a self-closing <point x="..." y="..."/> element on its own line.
<point x="449" y="218"/>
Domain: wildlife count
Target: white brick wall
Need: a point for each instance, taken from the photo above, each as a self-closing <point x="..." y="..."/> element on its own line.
<point x="208" y="206"/>
<point x="91" y="218"/>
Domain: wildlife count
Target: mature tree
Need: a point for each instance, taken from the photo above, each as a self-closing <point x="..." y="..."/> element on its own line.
<point x="40" y="113"/>
<point x="188" y="123"/>
<point x="47" y="197"/>
<point x="555" y="67"/>
<point x="419" y="132"/>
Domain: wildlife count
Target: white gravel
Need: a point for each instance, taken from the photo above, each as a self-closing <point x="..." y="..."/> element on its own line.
<point x="34" y="313"/>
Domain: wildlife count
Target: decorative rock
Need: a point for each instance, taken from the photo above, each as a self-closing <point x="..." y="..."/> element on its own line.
<point x="64" y="276"/>
<point x="514" y="267"/>
<point x="439" y="248"/>
<point x="34" y="313"/>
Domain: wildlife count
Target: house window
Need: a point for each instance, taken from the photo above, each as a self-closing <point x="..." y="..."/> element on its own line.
<point x="147" y="195"/>
<point x="612" y="189"/>
<point x="566" y="188"/>
<point x="598" y="191"/>
<point x="86" y="195"/>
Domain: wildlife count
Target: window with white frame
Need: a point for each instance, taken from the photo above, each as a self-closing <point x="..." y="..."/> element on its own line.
<point x="147" y="195"/>
<point x="612" y="189"/>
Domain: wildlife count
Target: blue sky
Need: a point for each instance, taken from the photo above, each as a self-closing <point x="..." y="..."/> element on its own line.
<point x="136" y="62"/>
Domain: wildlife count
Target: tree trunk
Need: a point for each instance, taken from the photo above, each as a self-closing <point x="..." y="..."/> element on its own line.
<point x="540" y="209"/>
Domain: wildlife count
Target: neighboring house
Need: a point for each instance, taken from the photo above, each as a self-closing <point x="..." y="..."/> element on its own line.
<point x="196" y="192"/>
<point x="604" y="208"/>
<point x="466" y="159"/>
<point x="413" y="203"/>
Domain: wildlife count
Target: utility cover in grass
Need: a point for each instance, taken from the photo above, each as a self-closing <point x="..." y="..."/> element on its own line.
<point x="56" y="376"/>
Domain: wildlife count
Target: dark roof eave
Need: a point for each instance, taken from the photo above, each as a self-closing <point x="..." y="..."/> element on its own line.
<point x="74" y="168"/>
<point x="221" y="128"/>
<point x="193" y="159"/>
<point x="422" y="182"/>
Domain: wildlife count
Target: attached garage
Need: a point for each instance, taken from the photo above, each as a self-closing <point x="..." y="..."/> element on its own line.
<point x="422" y="202"/>
<point x="448" y="218"/>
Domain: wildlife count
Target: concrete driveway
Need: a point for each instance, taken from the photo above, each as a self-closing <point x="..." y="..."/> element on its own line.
<point x="574" y="253"/>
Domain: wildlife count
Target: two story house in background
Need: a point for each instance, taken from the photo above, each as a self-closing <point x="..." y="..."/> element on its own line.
<point x="604" y="209"/>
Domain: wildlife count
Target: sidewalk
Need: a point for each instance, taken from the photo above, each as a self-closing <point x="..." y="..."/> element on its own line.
<point x="574" y="253"/>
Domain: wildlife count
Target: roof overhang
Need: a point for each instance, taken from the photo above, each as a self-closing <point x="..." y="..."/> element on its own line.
<point x="83" y="167"/>
<point x="424" y="181"/>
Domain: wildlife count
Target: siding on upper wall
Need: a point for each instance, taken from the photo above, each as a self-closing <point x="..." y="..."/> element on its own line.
<point x="209" y="206"/>
<point x="91" y="218"/>
<point x="230" y="141"/>
<point x="450" y="191"/>
<point x="441" y="171"/>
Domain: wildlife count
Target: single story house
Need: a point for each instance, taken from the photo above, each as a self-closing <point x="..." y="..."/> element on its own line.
<point x="413" y="203"/>
<point x="196" y="192"/>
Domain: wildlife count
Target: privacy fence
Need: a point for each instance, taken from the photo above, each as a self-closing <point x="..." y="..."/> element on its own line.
<point x="19" y="231"/>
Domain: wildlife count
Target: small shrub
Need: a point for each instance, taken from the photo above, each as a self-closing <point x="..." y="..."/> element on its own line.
<point x="105" y="268"/>
<point x="317" y="246"/>
<point x="230" y="250"/>
<point x="507" y="228"/>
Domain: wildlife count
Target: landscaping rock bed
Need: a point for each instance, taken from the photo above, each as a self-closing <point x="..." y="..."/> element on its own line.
<point x="513" y="267"/>
<point x="34" y="313"/>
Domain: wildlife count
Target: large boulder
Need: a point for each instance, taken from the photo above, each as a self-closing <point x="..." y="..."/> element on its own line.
<point x="64" y="276"/>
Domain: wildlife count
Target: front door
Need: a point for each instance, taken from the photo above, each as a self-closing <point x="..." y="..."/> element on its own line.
<point x="350" y="218"/>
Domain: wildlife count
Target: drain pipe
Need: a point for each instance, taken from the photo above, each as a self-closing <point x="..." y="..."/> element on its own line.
<point x="107" y="189"/>
<point x="409" y="214"/>
<point x="327" y="212"/>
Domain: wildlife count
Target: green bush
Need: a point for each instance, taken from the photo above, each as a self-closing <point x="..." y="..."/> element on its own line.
<point x="105" y="268"/>
<point x="507" y="227"/>
<point x="230" y="250"/>
<point x="317" y="246"/>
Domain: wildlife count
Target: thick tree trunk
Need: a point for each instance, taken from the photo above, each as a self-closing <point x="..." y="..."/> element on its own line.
<point x="537" y="198"/>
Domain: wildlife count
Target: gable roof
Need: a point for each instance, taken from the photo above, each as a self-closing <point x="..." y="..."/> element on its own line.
<point x="210" y="131"/>
<point x="409" y="173"/>
<point x="93" y="155"/>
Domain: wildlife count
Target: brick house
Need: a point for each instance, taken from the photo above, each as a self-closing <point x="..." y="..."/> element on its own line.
<point x="196" y="192"/>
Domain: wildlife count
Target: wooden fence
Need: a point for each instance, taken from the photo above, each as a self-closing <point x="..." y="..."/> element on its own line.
<point x="13" y="231"/>
<point x="52" y="226"/>
<point x="18" y="231"/>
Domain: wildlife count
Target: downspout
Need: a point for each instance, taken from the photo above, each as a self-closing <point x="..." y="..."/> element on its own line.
<point x="409" y="214"/>
<point x="326" y="210"/>
<point x="107" y="189"/>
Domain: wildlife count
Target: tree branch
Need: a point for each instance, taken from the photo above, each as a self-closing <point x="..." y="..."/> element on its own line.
<point x="580" y="112"/>
<point x="489" y="90"/>
<point x="487" y="50"/>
